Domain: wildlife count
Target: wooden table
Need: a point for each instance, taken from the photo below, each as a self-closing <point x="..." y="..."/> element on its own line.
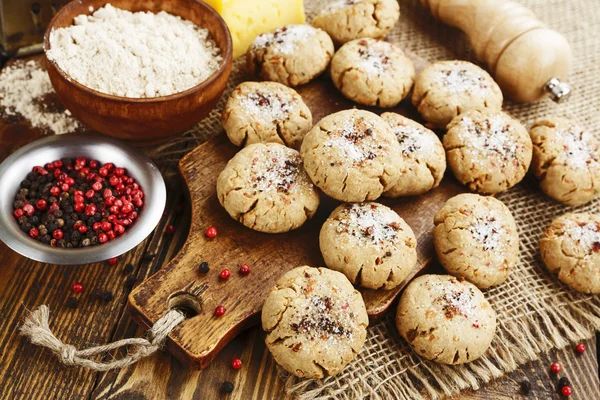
<point x="29" y="372"/>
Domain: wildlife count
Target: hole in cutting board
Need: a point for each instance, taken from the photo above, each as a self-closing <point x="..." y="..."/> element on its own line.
<point x="186" y="302"/>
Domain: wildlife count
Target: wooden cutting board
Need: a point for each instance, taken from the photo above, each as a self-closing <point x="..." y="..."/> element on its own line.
<point x="197" y="340"/>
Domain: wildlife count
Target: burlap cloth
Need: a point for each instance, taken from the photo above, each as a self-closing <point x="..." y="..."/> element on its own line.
<point x="535" y="311"/>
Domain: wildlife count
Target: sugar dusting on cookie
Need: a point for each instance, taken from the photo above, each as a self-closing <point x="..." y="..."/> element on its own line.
<point x="355" y="138"/>
<point x="578" y="153"/>
<point x="413" y="139"/>
<point x="488" y="231"/>
<point x="370" y="224"/>
<point x="277" y="169"/>
<point x="267" y="106"/>
<point x="374" y="58"/>
<point x="454" y="300"/>
<point x="337" y="5"/>
<point x="285" y="39"/>
<point x="492" y="136"/>
<point x="458" y="80"/>
<point x="587" y="236"/>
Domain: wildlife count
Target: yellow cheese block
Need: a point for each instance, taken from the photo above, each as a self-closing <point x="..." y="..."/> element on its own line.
<point x="248" y="18"/>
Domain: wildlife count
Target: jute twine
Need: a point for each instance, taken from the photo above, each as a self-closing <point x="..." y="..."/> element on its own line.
<point x="536" y="313"/>
<point x="37" y="329"/>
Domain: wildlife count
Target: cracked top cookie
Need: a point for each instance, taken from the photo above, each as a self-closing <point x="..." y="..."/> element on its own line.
<point x="446" y="320"/>
<point x="266" y="112"/>
<point x="488" y="151"/>
<point x="316" y="322"/>
<point x="265" y="187"/>
<point x="424" y="159"/>
<point x="476" y="238"/>
<point x="570" y="248"/>
<point x="352" y="155"/>
<point x="346" y="20"/>
<point x="292" y="55"/>
<point x="448" y="88"/>
<point x="372" y="72"/>
<point x="370" y="244"/>
<point x="566" y="160"/>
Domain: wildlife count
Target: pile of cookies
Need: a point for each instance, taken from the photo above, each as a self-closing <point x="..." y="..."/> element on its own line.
<point x="315" y="319"/>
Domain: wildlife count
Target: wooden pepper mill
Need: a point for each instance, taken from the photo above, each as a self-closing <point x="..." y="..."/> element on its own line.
<point x="527" y="59"/>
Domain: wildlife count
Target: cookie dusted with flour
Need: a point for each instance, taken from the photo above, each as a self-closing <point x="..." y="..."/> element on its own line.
<point x="372" y="72"/>
<point x="445" y="89"/>
<point x="476" y="238"/>
<point x="265" y="187"/>
<point x="423" y="156"/>
<point x="570" y="248"/>
<point x="266" y="112"/>
<point x="316" y="322"/>
<point x="346" y="20"/>
<point x="352" y="155"/>
<point x="488" y="151"/>
<point x="370" y="244"/>
<point x="566" y="160"/>
<point x="446" y="320"/>
<point x="292" y="55"/>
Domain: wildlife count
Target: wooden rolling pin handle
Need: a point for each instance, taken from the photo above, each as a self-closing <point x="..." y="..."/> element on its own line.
<point x="527" y="59"/>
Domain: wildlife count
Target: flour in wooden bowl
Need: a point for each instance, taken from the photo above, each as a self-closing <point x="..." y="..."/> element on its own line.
<point x="134" y="55"/>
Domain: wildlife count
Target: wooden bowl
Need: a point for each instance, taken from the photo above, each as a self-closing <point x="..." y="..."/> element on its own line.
<point x="143" y="121"/>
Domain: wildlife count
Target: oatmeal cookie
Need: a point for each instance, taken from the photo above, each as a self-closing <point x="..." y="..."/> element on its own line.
<point x="352" y="155"/>
<point x="265" y="187"/>
<point x="370" y="244"/>
<point x="566" y="160"/>
<point x="446" y="320"/>
<point x="476" y="238"/>
<point x="372" y="72"/>
<point x="346" y="20"/>
<point x="570" y="248"/>
<point x="424" y="159"/>
<point x="292" y="55"/>
<point x="488" y="151"/>
<point x="447" y="88"/>
<point x="316" y="322"/>
<point x="266" y="112"/>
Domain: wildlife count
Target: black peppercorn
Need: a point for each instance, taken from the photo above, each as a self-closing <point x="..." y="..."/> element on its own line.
<point x="563" y="382"/>
<point x="26" y="183"/>
<point x="525" y="387"/>
<point x="106" y="296"/>
<point x="227" y="387"/>
<point x="130" y="282"/>
<point x="203" y="267"/>
<point x="148" y="257"/>
<point x="128" y="268"/>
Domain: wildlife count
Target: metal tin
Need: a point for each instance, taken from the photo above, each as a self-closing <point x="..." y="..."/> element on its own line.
<point x="14" y="169"/>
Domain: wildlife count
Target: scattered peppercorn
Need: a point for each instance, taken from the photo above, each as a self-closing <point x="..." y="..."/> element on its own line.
<point x="77" y="287"/>
<point x="567" y="391"/>
<point x="227" y="387"/>
<point x="225" y="274"/>
<point x="236" y="363"/>
<point x="204" y="267"/>
<point x="106" y="296"/>
<point x="170" y="230"/>
<point x="244" y="269"/>
<point x="220" y="311"/>
<point x="562" y="382"/>
<point x="556" y="367"/>
<point x="149" y="257"/>
<point x="211" y="232"/>
<point x="525" y="387"/>
<point x="72" y="203"/>
<point x="128" y="268"/>
<point x="580" y="348"/>
<point x="72" y="302"/>
<point x="113" y="261"/>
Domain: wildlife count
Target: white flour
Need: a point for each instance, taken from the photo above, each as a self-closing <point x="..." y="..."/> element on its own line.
<point x="23" y="87"/>
<point x="134" y="54"/>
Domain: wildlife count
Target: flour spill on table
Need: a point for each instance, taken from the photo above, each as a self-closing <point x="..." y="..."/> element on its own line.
<point x="134" y="55"/>
<point x="24" y="86"/>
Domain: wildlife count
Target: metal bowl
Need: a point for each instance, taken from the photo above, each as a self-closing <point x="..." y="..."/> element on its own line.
<point x="14" y="169"/>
